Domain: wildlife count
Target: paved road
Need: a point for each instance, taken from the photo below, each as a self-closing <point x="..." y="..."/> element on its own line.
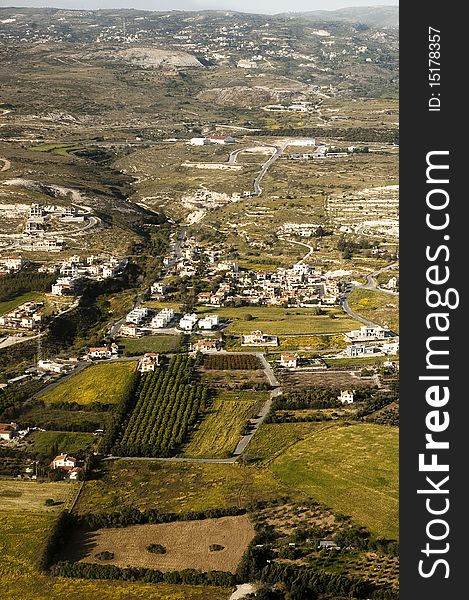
<point x="370" y="284"/>
<point x="265" y="167"/>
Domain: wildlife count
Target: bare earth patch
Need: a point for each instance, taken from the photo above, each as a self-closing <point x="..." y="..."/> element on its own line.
<point x="187" y="544"/>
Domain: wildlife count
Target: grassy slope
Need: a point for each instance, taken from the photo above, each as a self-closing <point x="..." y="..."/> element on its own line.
<point x="351" y="469"/>
<point x="9" y="305"/>
<point x="221" y="429"/>
<point x="30" y="496"/>
<point x="376" y="306"/>
<point x="22" y="537"/>
<point x="99" y="383"/>
<point x="178" y="487"/>
<point x="274" y="438"/>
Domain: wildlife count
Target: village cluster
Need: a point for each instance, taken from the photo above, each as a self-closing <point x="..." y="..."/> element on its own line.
<point x="75" y="269"/>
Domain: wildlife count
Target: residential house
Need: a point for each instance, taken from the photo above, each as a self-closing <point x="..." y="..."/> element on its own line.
<point x="7" y="431"/>
<point x="258" y="338"/>
<point x="100" y="353"/>
<point x="346" y="396"/>
<point x="149" y="362"/>
<point x="131" y="330"/>
<point x="209" y="322"/>
<point x="188" y="322"/>
<point x="366" y="333"/>
<point x="206" y="346"/>
<point x="204" y="297"/>
<point x="64" y="461"/>
<point x="288" y="360"/>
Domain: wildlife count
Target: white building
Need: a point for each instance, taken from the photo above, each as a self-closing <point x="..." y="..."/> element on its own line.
<point x="258" y="338"/>
<point x="64" y="460"/>
<point x="49" y="366"/>
<point x="366" y="333"/>
<point x="288" y="360"/>
<point x="346" y="396"/>
<point x="209" y="322"/>
<point x="188" y="322"/>
<point x="64" y="286"/>
<point x="302" y="142"/>
<point x="199" y="141"/>
<point x="11" y="263"/>
<point x="131" y="330"/>
<point x="7" y="431"/>
<point x="137" y="315"/>
<point x="158" y="288"/>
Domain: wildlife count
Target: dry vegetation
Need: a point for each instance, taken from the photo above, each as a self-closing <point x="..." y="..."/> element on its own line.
<point x="186" y="542"/>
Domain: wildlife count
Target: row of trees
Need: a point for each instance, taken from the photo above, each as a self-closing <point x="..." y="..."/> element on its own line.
<point x="187" y="576"/>
<point x="134" y="516"/>
<point x="167" y="407"/>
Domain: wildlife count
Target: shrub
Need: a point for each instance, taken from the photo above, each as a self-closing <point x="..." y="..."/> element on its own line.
<point x="105" y="555"/>
<point x="156" y="549"/>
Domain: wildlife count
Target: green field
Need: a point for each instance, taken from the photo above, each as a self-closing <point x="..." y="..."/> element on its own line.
<point x="22" y="539"/>
<point x="9" y="305"/>
<point x="150" y="343"/>
<point x="282" y="321"/>
<point x="352" y="469"/>
<point x="379" y="307"/>
<point x="220" y="430"/>
<point x="60" y="149"/>
<point x="176" y="487"/>
<point x="68" y="442"/>
<point x="30" y="496"/>
<point x="274" y="438"/>
<point x="105" y="383"/>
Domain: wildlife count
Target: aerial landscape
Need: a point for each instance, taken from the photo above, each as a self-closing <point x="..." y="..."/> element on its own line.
<point x="199" y="304"/>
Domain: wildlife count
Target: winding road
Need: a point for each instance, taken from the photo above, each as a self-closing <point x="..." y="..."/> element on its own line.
<point x="370" y="284"/>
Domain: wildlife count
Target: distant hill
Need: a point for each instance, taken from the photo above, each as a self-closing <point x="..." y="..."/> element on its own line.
<point x="375" y="16"/>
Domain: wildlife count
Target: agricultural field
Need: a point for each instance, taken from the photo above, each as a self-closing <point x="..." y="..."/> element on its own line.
<point x="230" y="362"/>
<point x="281" y="321"/>
<point x="272" y="439"/>
<point x="55" y="418"/>
<point x="230" y="380"/>
<point x="150" y="343"/>
<point x="176" y="487"/>
<point x="30" y="496"/>
<point x="223" y="423"/>
<point x="166" y="409"/>
<point x="41" y="442"/>
<point x="316" y="343"/>
<point x="297" y="380"/>
<point x="22" y="539"/>
<point x="352" y="469"/>
<point x="186" y="543"/>
<point x="106" y="383"/>
<point x="379" y="307"/>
